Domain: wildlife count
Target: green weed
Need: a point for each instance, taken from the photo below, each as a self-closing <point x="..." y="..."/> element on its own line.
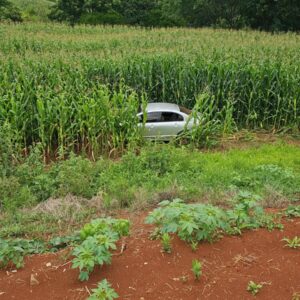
<point x="166" y="243"/>
<point x="104" y="291"/>
<point x="197" y="268"/>
<point x="292" y="211"/>
<point x="202" y="222"/>
<point x="292" y="243"/>
<point x="253" y="287"/>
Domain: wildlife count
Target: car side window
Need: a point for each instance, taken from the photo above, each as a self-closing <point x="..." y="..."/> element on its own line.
<point x="155" y="117"/>
<point x="152" y="117"/>
<point x="171" y="117"/>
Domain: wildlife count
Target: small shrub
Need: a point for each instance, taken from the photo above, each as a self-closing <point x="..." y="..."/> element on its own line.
<point x="203" y="222"/>
<point x="104" y="291"/>
<point x="13" y="195"/>
<point x="98" y="238"/>
<point x="293" y="211"/>
<point x="78" y="176"/>
<point x="193" y="222"/>
<point x="13" y="251"/>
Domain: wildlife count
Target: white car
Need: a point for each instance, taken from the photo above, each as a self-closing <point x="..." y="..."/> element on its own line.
<point x="165" y="120"/>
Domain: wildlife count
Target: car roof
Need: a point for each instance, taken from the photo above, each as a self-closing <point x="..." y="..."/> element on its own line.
<point x="162" y="106"/>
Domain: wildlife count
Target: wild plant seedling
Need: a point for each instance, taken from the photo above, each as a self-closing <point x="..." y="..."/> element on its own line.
<point x="253" y="287"/>
<point x="194" y="245"/>
<point x="104" y="291"/>
<point x="197" y="268"/>
<point x="166" y="243"/>
<point x="292" y="243"/>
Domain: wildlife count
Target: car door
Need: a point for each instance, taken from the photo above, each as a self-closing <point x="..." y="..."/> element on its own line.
<point x="163" y="124"/>
<point x="151" y="127"/>
<point x="172" y="123"/>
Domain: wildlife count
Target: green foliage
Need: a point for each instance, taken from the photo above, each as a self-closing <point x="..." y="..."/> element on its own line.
<point x="98" y="238"/>
<point x="194" y="245"/>
<point x="292" y="211"/>
<point x="34" y="10"/>
<point x="8" y="149"/>
<point x="96" y="18"/>
<point x="57" y="243"/>
<point x="104" y="291"/>
<point x="246" y="214"/>
<point x="193" y="222"/>
<point x="253" y="287"/>
<point x="207" y="125"/>
<point x="13" y="251"/>
<point x="157" y="172"/>
<point x="13" y="195"/>
<point x="84" y="92"/>
<point x="225" y="14"/>
<point x="33" y="174"/>
<point x="166" y="242"/>
<point x="197" y="268"/>
<point x="78" y="176"/>
<point x="292" y="243"/>
<point x="9" y="12"/>
<point x="203" y="222"/>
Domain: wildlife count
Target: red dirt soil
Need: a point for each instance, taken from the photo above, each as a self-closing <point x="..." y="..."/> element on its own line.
<point x="143" y="272"/>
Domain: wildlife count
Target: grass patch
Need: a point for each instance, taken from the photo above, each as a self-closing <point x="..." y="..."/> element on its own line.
<point x="79" y="188"/>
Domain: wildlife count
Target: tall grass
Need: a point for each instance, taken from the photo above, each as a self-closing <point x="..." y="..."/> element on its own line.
<point x="52" y="76"/>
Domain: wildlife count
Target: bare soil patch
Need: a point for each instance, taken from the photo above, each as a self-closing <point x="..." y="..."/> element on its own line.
<point x="143" y="272"/>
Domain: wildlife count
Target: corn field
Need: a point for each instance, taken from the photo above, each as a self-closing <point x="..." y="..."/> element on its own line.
<point x="79" y="88"/>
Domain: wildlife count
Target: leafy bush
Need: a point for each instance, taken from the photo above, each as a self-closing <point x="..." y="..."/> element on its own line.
<point x="13" y="195"/>
<point x="274" y="175"/>
<point x="292" y="211"/>
<point x="78" y="176"/>
<point x="96" y="18"/>
<point x="104" y="291"/>
<point x="34" y="174"/>
<point x="13" y="251"/>
<point x="98" y="238"/>
<point x="58" y="243"/>
<point x="246" y="213"/>
<point x="8" y="11"/>
<point x="203" y="222"/>
<point x="192" y="222"/>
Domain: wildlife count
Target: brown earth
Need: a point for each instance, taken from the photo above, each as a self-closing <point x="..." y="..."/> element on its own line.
<point x="143" y="272"/>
